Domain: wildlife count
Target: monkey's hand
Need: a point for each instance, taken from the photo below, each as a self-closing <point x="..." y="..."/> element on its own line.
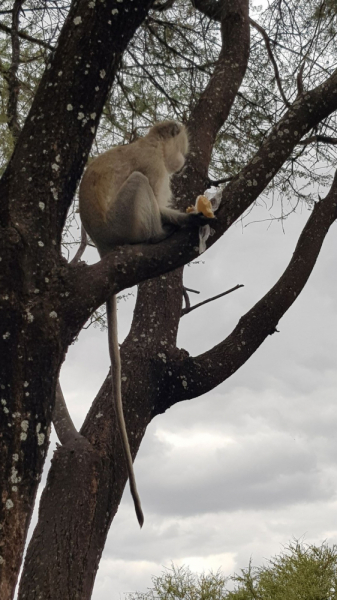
<point x="199" y="220"/>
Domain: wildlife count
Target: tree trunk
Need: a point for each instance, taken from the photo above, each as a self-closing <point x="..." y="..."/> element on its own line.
<point x="36" y="191"/>
<point x="84" y="488"/>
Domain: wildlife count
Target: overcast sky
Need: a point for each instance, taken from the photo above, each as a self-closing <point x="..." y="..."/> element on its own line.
<point x="244" y="469"/>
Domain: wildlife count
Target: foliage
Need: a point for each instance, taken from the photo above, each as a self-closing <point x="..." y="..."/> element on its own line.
<point x="40" y="22"/>
<point x="168" y="63"/>
<point x="301" y="572"/>
<point x="179" y="583"/>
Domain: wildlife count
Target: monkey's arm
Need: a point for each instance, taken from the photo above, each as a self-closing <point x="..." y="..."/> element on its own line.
<point x="172" y="220"/>
<point x="169" y="216"/>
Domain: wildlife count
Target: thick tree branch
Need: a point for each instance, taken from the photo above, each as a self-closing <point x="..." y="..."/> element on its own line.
<point x="306" y="112"/>
<point x="214" y="104"/>
<point x="206" y="371"/>
<point x="210" y="8"/>
<point x="90" y="285"/>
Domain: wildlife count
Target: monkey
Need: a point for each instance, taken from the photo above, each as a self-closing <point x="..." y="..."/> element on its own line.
<point x="124" y="198"/>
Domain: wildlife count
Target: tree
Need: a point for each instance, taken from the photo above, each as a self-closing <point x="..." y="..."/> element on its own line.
<point x="180" y="583"/>
<point x="260" y="135"/>
<point x="301" y="572"/>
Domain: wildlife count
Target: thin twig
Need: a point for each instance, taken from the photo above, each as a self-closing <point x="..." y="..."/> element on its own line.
<point x="27" y="37"/>
<point x="187" y="299"/>
<point x="272" y="59"/>
<point x="186" y="310"/>
<point x="217" y="182"/>
<point x="173" y="101"/>
<point x="12" y="79"/>
<point x="319" y="138"/>
<point x="300" y="87"/>
<point x="173" y="50"/>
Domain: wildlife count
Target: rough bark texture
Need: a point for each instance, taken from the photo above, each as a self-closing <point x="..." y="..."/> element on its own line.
<point x="36" y="191"/>
<point x="45" y="301"/>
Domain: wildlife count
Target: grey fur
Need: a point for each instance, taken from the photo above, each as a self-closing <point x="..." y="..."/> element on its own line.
<point x="124" y="199"/>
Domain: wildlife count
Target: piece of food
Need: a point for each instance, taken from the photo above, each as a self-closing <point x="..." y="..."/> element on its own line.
<point x="204" y="206"/>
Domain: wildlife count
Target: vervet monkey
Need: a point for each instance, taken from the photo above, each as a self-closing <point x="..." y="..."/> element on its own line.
<point x="124" y="199"/>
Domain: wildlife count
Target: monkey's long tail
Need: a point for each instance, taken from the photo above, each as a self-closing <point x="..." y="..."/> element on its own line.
<point x="115" y="360"/>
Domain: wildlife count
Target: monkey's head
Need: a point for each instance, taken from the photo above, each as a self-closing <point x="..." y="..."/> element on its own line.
<point x="174" y="140"/>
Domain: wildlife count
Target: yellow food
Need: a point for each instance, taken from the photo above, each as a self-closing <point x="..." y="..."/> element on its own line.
<point x="204" y="206"/>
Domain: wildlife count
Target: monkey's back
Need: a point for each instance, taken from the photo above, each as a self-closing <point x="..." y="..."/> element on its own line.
<point x="106" y="174"/>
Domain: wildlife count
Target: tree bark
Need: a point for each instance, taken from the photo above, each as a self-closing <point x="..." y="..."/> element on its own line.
<point x="36" y="191"/>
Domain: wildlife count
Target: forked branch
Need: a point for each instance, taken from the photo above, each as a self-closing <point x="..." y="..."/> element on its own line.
<point x="62" y="421"/>
<point x="188" y="308"/>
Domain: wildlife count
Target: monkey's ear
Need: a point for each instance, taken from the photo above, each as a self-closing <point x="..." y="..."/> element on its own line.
<point x="168" y="129"/>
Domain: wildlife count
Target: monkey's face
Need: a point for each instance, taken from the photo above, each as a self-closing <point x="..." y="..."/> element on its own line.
<point x="176" y="163"/>
<point x="175" y="151"/>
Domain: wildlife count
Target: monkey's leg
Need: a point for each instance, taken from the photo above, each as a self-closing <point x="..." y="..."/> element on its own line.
<point x="134" y="216"/>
